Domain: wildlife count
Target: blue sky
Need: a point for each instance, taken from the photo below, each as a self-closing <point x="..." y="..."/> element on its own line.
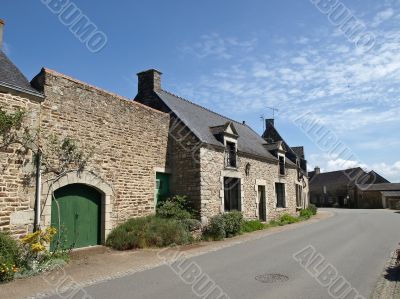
<point x="238" y="58"/>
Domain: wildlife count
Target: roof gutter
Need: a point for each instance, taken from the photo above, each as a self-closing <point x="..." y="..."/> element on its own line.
<point x="6" y="87"/>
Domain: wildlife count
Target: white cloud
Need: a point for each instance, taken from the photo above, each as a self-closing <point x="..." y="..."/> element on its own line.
<point x="383" y="16"/>
<point x="213" y="45"/>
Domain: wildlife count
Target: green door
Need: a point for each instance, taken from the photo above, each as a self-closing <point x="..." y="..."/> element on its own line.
<point x="75" y="212"/>
<point x="162" y="186"/>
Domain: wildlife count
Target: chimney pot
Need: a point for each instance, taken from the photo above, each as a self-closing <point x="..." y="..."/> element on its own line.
<point x="317" y="170"/>
<point x="1" y="33"/>
<point x="149" y="81"/>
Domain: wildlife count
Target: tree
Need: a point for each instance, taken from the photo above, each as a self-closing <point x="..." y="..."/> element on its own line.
<point x="57" y="154"/>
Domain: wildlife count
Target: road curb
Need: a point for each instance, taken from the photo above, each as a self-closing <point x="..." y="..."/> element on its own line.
<point x="388" y="285"/>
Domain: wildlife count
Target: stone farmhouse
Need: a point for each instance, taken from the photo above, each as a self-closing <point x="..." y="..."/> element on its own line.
<point x="224" y="165"/>
<point x="144" y="150"/>
<point x="352" y="188"/>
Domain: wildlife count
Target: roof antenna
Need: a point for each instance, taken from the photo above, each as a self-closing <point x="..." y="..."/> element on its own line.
<point x="273" y="111"/>
<point x="262" y="117"/>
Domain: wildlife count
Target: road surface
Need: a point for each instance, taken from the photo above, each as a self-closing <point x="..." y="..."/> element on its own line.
<point x="357" y="243"/>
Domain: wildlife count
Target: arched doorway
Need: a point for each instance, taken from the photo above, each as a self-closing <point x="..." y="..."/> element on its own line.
<point x="76" y="214"/>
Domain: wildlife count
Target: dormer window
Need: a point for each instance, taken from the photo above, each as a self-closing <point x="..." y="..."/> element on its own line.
<point x="282" y="165"/>
<point x="228" y="136"/>
<point x="230" y="154"/>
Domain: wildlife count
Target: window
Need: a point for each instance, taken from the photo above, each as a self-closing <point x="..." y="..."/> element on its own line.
<point x="230" y="154"/>
<point x="280" y="195"/>
<point x="299" y="194"/>
<point x="232" y="194"/>
<point x="281" y="165"/>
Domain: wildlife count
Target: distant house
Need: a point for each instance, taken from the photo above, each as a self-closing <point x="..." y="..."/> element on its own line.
<point x="382" y="195"/>
<point x="342" y="188"/>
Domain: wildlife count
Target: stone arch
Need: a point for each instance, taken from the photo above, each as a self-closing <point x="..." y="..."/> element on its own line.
<point x="80" y="177"/>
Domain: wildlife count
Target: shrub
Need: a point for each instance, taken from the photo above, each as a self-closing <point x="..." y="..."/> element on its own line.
<point x="306" y="213"/>
<point x="216" y="228"/>
<point x="252" y="225"/>
<point x="9" y="257"/>
<point x="312" y="208"/>
<point x="288" y="219"/>
<point x="232" y="223"/>
<point x="177" y="207"/>
<point x="148" y="231"/>
<point x="191" y="224"/>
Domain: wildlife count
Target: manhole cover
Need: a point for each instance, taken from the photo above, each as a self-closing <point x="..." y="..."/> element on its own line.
<point x="271" y="278"/>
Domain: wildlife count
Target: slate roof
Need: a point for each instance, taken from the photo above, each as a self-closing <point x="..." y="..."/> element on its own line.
<point x="299" y="151"/>
<point x="340" y="177"/>
<point x="391" y="193"/>
<point x="380" y="187"/>
<point x="200" y="121"/>
<point x="12" y="77"/>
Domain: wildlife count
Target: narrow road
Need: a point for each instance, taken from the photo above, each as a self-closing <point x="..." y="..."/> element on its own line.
<point x="357" y="243"/>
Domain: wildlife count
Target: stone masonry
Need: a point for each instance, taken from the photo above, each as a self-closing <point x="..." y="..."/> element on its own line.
<point x="129" y="140"/>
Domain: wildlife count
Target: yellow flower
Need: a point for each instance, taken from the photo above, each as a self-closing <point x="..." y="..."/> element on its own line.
<point x="51" y="231"/>
<point x="37" y="247"/>
<point x="29" y="238"/>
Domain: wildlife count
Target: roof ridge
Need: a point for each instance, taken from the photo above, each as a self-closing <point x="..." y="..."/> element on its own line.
<point x="339" y="170"/>
<point x="204" y="108"/>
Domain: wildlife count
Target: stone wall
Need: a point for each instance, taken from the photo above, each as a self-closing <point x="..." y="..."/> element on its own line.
<point x="261" y="173"/>
<point x="16" y="193"/>
<point x="183" y="159"/>
<point x="129" y="141"/>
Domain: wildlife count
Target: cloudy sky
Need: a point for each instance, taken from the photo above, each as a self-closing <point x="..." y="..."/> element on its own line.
<point x="239" y="58"/>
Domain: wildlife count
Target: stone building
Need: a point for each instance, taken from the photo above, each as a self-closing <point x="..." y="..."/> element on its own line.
<point x="142" y="151"/>
<point x="129" y="144"/>
<point x="223" y="165"/>
<point x="342" y="188"/>
<point x="377" y="196"/>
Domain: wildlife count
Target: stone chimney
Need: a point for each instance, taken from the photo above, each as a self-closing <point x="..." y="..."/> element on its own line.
<point x="317" y="170"/>
<point x="269" y="122"/>
<point x="1" y="33"/>
<point x="149" y="81"/>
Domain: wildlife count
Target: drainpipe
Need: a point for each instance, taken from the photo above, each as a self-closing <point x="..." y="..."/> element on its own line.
<point x="38" y="189"/>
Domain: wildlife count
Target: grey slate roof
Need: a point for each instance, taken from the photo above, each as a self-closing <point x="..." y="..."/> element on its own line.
<point x="200" y="120"/>
<point x="11" y="76"/>
<point x="340" y="177"/>
<point x="299" y="151"/>
<point x="391" y="193"/>
<point x="380" y="187"/>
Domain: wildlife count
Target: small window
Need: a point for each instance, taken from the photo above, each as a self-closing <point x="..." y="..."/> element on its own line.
<point x="299" y="194"/>
<point x="281" y="165"/>
<point x="231" y="154"/>
<point x="280" y="195"/>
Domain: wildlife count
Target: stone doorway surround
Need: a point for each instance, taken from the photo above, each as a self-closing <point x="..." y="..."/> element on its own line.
<point x="86" y="178"/>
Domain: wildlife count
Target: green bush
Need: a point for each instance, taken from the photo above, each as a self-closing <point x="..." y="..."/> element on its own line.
<point x="288" y="219"/>
<point x="216" y="228"/>
<point x="306" y="214"/>
<point x="252" y="225"/>
<point x="312" y="208"/>
<point x="148" y="231"/>
<point x="232" y="223"/>
<point x="9" y="257"/>
<point x="191" y="224"/>
<point x="177" y="207"/>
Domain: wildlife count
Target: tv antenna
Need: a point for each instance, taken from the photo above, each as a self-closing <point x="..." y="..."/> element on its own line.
<point x="273" y="111"/>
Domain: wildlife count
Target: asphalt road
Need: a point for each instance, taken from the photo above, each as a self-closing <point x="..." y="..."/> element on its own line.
<point x="357" y="243"/>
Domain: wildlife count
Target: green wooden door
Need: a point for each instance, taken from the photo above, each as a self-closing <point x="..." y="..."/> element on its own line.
<point x="75" y="212"/>
<point x="162" y="186"/>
